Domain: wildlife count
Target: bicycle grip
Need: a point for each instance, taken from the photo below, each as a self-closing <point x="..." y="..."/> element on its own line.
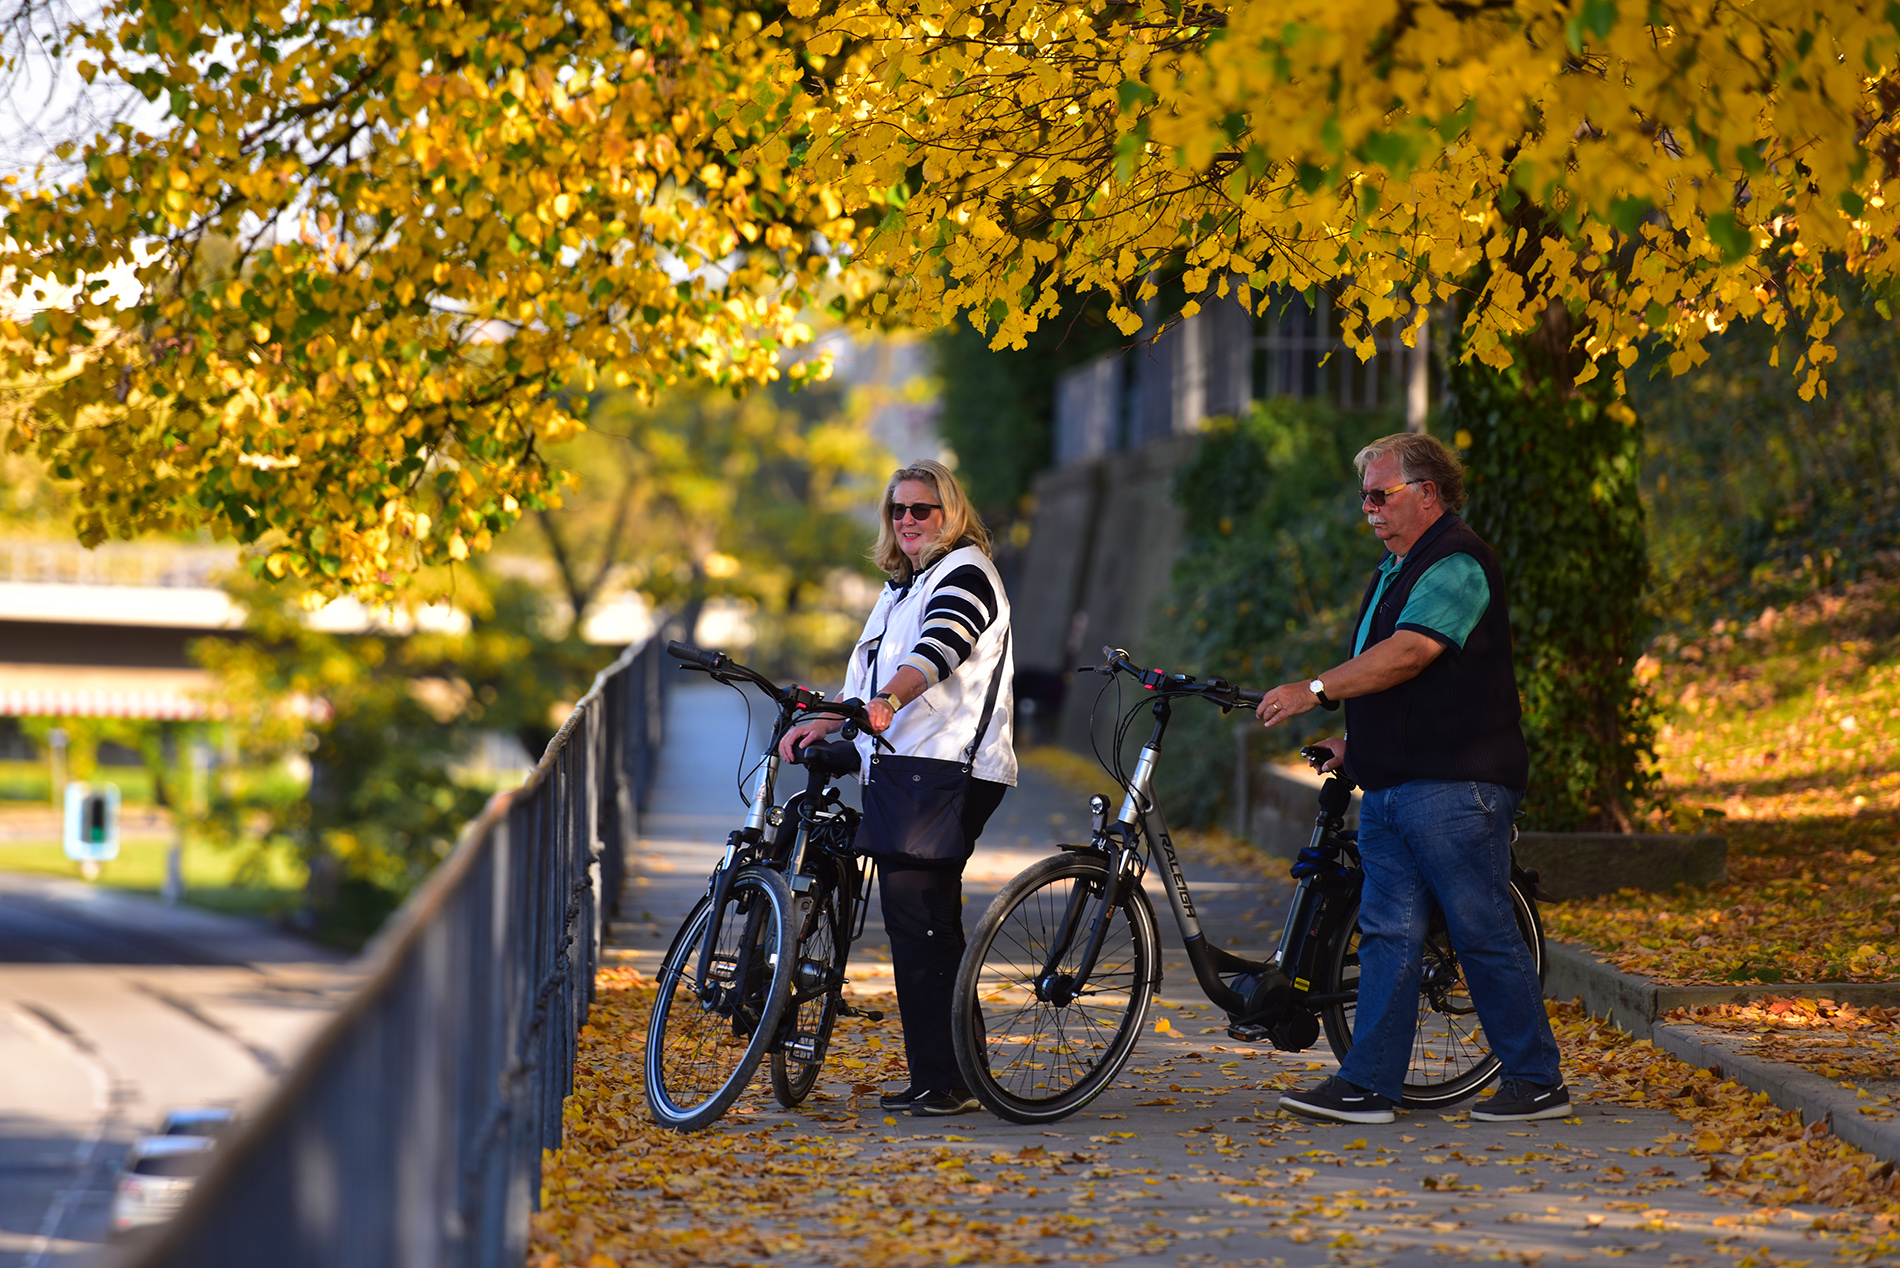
<point x="687" y="652"/>
<point x="1246" y="696"/>
<point x="852" y="725"/>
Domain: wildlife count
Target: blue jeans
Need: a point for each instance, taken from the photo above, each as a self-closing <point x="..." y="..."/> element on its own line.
<point x="1442" y="843"/>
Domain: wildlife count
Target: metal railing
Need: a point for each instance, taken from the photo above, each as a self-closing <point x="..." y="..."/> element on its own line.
<point x="410" y="1132"/>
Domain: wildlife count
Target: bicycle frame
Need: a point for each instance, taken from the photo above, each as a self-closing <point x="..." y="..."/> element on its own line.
<point x="743" y="845"/>
<point x="1073" y="910"/>
<point x="1140" y="819"/>
<point x="1285" y="976"/>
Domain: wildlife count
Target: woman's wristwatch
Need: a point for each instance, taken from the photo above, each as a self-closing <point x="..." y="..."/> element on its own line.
<point x="890" y="700"/>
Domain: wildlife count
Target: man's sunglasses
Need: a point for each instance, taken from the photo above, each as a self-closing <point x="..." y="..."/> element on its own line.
<point x="919" y="511"/>
<point x="1378" y="496"/>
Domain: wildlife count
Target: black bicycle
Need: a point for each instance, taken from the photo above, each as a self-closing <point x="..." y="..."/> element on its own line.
<point x="758" y="966"/>
<point x="1055" y="984"/>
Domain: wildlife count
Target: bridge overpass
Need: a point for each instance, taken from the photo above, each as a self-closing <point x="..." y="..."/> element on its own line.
<point x="107" y="632"/>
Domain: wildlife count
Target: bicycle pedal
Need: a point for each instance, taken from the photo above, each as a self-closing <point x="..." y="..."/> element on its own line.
<point x="850" y="1010"/>
<point x="1247" y="1032"/>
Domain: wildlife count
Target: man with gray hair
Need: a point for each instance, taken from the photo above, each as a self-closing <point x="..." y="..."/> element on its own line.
<point x="1433" y="738"/>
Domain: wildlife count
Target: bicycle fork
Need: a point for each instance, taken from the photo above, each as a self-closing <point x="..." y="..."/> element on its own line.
<point x="739" y="843"/>
<point x="1053" y="986"/>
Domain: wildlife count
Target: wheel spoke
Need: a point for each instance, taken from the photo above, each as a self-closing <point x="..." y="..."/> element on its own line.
<point x="1034" y="1058"/>
<point x="700" y="1055"/>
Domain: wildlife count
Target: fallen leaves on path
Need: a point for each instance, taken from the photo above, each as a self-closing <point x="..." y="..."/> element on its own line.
<point x="1749" y="1149"/>
<point x="839" y="1183"/>
<point x="623" y="1191"/>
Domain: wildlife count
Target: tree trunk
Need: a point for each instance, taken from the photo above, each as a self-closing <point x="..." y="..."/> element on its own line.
<point x="1554" y="470"/>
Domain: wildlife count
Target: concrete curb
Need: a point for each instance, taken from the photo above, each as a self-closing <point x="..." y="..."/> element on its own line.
<point x="1634" y="1004"/>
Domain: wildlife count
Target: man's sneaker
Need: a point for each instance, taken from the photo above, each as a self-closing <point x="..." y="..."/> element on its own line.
<point x="901" y="1100"/>
<point x="936" y="1104"/>
<point x="1341" y="1102"/>
<point x="1520" y="1100"/>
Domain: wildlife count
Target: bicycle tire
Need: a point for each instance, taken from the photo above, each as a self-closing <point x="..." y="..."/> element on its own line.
<point x="806" y="1028"/>
<point x="1450" y="1060"/>
<point x="1034" y="1060"/>
<point x="701" y="1054"/>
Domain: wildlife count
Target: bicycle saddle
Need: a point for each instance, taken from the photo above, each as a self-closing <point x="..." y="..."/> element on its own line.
<point x="831" y="758"/>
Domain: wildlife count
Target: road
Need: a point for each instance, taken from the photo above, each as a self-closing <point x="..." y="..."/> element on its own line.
<point x="112" y="1010"/>
<point x="1186" y="1160"/>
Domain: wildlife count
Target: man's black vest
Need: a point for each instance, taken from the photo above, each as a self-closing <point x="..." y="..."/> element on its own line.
<point x="1459" y="718"/>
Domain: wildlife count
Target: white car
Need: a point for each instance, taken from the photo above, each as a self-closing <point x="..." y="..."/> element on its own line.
<point x="197" y="1120"/>
<point x="156" y="1179"/>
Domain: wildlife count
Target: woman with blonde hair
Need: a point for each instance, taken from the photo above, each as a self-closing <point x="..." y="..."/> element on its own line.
<point x="934" y="667"/>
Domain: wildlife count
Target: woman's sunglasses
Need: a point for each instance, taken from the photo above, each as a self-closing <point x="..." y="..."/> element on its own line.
<point x="919" y="511"/>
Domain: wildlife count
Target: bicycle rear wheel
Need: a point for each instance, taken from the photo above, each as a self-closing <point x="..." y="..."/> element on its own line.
<point x="806" y="1029"/>
<point x="1451" y="1059"/>
<point x="1036" y="1051"/>
<point x="704" y="1044"/>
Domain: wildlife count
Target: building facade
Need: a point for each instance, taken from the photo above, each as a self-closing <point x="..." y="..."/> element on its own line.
<point x="1099" y="561"/>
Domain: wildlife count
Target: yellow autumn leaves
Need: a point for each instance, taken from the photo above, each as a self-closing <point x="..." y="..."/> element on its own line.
<point x="1660" y="170"/>
<point x="395" y="245"/>
<point x="380" y="258"/>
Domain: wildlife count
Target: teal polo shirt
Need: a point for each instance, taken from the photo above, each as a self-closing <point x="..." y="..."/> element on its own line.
<point x="1445" y="604"/>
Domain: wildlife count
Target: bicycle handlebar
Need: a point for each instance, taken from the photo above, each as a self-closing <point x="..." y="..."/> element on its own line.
<point x="687" y="652"/>
<point x="804" y="703"/>
<point x="1218" y="690"/>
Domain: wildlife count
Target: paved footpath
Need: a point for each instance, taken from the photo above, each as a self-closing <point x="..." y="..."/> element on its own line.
<point x="1186" y="1160"/>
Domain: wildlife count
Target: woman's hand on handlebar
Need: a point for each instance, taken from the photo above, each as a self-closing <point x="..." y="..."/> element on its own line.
<point x="806" y="734"/>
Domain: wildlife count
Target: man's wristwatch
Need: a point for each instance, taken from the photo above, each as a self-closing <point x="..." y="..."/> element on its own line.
<point x="890" y="700"/>
<point x="1318" y="688"/>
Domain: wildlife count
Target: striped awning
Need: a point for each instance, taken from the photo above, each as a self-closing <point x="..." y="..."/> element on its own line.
<point x="66" y="691"/>
<point x="99" y="704"/>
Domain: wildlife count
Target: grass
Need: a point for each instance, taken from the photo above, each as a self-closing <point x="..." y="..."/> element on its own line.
<point x="1783" y="734"/>
<point x="33" y="781"/>
<point x="214" y="879"/>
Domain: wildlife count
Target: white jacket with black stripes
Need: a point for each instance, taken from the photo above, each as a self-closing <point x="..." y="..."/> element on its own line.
<point x="948" y="624"/>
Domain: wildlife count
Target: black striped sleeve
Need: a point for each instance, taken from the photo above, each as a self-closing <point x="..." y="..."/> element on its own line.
<point x="959" y="611"/>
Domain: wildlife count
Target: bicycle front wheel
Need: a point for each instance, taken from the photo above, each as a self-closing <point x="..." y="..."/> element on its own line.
<point x="1451" y="1058"/>
<point x="800" y="1053"/>
<point x="1033" y="1042"/>
<point x="706" y="1038"/>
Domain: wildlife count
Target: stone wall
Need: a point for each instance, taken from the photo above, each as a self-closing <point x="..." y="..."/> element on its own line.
<point x="1096" y="570"/>
<point x="1275" y="806"/>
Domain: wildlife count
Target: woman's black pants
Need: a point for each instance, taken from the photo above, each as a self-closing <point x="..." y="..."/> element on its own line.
<point x="923" y="915"/>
